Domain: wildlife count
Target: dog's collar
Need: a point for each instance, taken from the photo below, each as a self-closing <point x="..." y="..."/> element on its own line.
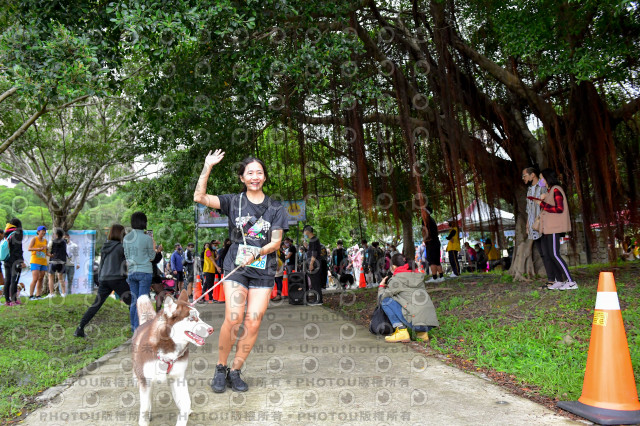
<point x="170" y="362"/>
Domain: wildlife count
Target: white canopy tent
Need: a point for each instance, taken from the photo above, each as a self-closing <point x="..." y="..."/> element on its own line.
<point x="479" y="215"/>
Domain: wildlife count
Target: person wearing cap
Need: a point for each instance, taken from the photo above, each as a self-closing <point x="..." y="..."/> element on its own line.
<point x="38" y="249"/>
<point x="177" y="268"/>
<point x="188" y="266"/>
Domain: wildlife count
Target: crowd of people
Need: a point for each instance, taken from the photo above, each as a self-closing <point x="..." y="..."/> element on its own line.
<point x="57" y="260"/>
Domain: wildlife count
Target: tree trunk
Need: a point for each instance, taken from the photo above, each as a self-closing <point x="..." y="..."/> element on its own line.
<point x="409" y="249"/>
<point x="526" y="261"/>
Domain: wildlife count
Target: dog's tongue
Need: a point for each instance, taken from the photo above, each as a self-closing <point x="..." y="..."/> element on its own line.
<point x="199" y="340"/>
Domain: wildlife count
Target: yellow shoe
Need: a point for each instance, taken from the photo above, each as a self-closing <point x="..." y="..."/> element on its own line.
<point x="423" y="335"/>
<point x="400" y="335"/>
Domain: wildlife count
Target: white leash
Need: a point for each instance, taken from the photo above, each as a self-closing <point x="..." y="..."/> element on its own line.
<point x="216" y="285"/>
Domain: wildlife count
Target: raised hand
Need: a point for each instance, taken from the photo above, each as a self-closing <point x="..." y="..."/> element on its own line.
<point x="213" y="159"/>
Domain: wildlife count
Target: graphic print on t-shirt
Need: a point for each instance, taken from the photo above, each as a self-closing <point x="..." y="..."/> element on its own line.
<point x="259" y="229"/>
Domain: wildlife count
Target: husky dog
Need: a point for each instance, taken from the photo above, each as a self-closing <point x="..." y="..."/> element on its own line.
<point x="160" y="350"/>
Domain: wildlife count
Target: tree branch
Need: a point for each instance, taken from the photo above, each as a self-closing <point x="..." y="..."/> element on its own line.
<point x="8" y="93"/>
<point x="7" y="142"/>
<point x="626" y="111"/>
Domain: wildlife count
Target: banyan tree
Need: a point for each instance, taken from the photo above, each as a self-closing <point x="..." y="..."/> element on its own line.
<point x="405" y="102"/>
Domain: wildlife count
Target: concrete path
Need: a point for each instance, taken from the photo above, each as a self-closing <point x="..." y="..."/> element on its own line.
<point x="309" y="366"/>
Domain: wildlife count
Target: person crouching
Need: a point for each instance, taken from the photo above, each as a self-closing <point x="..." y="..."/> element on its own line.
<point x="405" y="300"/>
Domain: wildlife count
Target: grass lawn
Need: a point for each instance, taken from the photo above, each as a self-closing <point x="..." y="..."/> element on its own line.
<point x="530" y="339"/>
<point x="38" y="349"/>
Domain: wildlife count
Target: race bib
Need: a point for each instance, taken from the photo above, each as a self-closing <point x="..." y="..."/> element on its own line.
<point x="41" y="254"/>
<point x="245" y="251"/>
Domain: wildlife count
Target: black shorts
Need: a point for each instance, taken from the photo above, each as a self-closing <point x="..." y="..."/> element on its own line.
<point x="179" y="276"/>
<point x="56" y="268"/>
<point x="433" y="254"/>
<point x="188" y="273"/>
<point x="247" y="282"/>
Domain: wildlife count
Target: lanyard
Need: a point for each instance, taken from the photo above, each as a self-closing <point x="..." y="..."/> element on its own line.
<point x="240" y="216"/>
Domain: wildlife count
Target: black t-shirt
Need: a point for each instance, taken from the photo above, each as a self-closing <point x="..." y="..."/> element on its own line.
<point x="314" y="251"/>
<point x="292" y="260"/>
<point x="432" y="232"/>
<point x="58" y="251"/>
<point x="257" y="223"/>
<point x="337" y="257"/>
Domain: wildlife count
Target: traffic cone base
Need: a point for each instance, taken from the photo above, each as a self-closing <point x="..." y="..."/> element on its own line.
<point x="609" y="394"/>
<point x="601" y="416"/>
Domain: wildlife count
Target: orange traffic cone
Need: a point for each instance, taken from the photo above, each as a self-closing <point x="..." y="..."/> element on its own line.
<point x="197" y="288"/>
<point x="363" y="280"/>
<point x="274" y="292"/>
<point x="221" y="290"/>
<point x="285" y="285"/>
<point x="609" y="394"/>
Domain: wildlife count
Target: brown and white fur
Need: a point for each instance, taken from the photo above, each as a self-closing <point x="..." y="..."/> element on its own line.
<point x="160" y="350"/>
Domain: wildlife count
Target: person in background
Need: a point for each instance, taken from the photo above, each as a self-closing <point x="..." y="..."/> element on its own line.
<point x="453" y="247"/>
<point x="112" y="276"/>
<point x="177" y="268"/>
<point x="57" y="263"/>
<point x="338" y="259"/>
<point x="157" y="275"/>
<point x="188" y="262"/>
<point x="376" y="260"/>
<point x="38" y="249"/>
<point x="470" y="256"/>
<point x="72" y="261"/>
<point x="555" y="222"/>
<point x="399" y="296"/>
<point x="394" y="250"/>
<point x="314" y="266"/>
<point x="432" y="245"/>
<point x="492" y="254"/>
<point x="208" y="270"/>
<point x="1" y="274"/>
<point x="14" y="263"/>
<point x="530" y="176"/>
<point x="139" y="251"/>
<point x="481" y="261"/>
<point x="289" y="255"/>
<point x="222" y="253"/>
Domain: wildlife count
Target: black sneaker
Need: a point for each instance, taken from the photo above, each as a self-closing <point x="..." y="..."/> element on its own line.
<point x="235" y="382"/>
<point x="79" y="332"/>
<point x="219" y="381"/>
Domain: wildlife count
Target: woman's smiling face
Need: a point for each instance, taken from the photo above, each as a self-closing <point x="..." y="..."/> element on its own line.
<point x="253" y="176"/>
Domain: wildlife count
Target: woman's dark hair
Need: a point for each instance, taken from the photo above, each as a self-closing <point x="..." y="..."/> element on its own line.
<point x="16" y="222"/>
<point x="139" y="220"/>
<point x="59" y="233"/>
<point x="116" y="232"/>
<point x="248" y="160"/>
<point x="398" y="259"/>
<point x="550" y="177"/>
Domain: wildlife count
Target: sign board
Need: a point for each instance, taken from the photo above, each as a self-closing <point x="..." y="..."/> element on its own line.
<point x="83" y="276"/>
<point x="296" y="211"/>
<point x="206" y="217"/>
